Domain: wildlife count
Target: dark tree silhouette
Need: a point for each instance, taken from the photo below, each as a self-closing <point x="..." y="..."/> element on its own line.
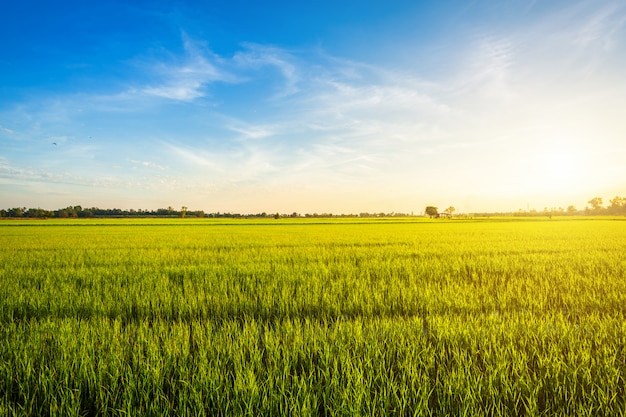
<point x="431" y="211"/>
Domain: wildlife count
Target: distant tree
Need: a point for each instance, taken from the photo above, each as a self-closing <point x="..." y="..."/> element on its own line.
<point x="431" y="211"/>
<point x="617" y="201"/>
<point x="183" y="211"/>
<point x="38" y="213"/>
<point x="450" y="210"/>
<point x="16" y="212"/>
<point x="277" y="216"/>
<point x="571" y="210"/>
<point x="596" y="203"/>
<point x="618" y="205"/>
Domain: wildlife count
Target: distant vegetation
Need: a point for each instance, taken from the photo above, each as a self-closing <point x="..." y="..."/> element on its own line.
<point x="616" y="206"/>
<point x="80" y="212"/>
<point x="596" y="207"/>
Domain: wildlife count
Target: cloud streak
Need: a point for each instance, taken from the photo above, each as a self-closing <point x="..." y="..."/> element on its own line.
<point x="6" y="130"/>
<point x="186" y="79"/>
<point x="603" y="27"/>
<point x="147" y="164"/>
<point x="257" y="57"/>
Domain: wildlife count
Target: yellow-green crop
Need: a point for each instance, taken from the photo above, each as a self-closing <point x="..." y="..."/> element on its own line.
<point x="303" y="317"/>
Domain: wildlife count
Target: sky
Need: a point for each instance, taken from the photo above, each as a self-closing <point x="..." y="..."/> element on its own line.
<point x="312" y="107"/>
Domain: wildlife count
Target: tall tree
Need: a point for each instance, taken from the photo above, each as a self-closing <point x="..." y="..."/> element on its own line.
<point x="596" y="203"/>
<point x="618" y="205"/>
<point x="617" y="201"/>
<point x="431" y="211"/>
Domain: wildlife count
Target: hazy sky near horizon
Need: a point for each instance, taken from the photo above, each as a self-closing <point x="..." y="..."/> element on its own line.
<point x="342" y="106"/>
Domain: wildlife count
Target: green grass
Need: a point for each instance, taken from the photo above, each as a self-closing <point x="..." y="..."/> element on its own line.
<point x="313" y="317"/>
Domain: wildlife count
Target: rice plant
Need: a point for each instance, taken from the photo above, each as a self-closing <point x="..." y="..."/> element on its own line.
<point x="341" y="317"/>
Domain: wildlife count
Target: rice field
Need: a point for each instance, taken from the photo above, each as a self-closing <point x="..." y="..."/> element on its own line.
<point x="355" y="317"/>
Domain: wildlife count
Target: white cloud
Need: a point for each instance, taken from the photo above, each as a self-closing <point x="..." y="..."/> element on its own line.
<point x="235" y="164"/>
<point x="259" y="56"/>
<point x="183" y="90"/>
<point x="147" y="164"/>
<point x="488" y="67"/>
<point x="253" y="132"/>
<point x="602" y="27"/>
<point x="6" y="130"/>
<point x="193" y="156"/>
<point x="186" y="79"/>
<point x="11" y="172"/>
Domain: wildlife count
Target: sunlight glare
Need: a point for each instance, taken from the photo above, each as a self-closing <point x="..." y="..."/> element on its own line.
<point x="558" y="165"/>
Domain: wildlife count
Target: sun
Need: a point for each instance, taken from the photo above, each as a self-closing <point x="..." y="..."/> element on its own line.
<point x="558" y="164"/>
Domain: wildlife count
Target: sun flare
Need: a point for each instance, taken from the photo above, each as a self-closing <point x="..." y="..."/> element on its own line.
<point x="558" y="164"/>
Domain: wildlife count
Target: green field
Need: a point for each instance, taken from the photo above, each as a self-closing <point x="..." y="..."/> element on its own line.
<point x="333" y="317"/>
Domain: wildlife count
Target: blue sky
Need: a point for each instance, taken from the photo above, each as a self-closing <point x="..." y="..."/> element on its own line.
<point x="323" y="106"/>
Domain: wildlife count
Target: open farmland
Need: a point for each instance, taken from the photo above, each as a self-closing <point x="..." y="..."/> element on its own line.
<point x="313" y="317"/>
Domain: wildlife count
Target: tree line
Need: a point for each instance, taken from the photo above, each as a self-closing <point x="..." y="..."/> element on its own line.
<point x="91" y="212"/>
<point x="616" y="206"/>
<point x="95" y="212"/>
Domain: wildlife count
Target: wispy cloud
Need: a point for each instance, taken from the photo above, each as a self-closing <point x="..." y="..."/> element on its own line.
<point x="192" y="156"/>
<point x="488" y="67"/>
<point x="603" y="26"/>
<point x="259" y="56"/>
<point x="147" y="164"/>
<point x="253" y="132"/>
<point x="217" y="167"/>
<point x="6" y="130"/>
<point x="344" y="125"/>
<point x="111" y="180"/>
<point x="11" y="172"/>
<point x="186" y="79"/>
